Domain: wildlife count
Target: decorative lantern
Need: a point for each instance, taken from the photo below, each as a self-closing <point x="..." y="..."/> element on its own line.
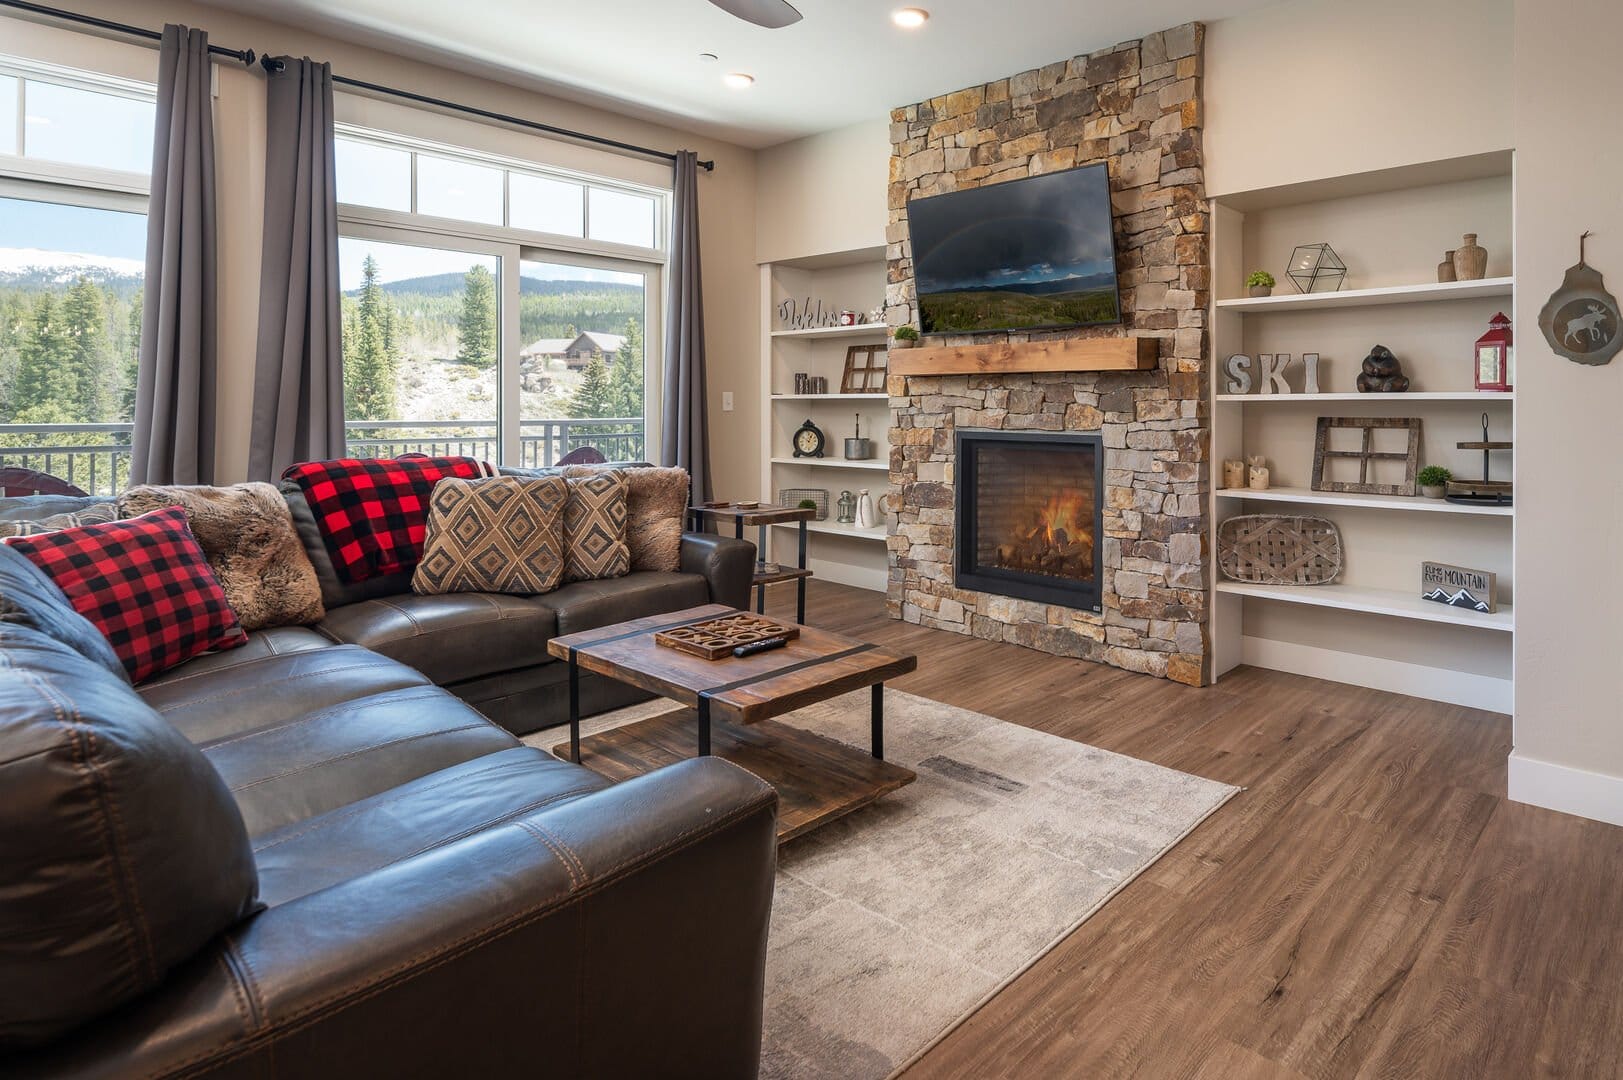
<point x="1496" y="356"/>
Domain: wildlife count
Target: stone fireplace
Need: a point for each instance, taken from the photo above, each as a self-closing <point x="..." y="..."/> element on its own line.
<point x="1029" y="515"/>
<point x="1120" y="580"/>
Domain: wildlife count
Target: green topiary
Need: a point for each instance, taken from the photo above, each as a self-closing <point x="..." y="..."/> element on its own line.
<point x="1260" y="277"/>
<point x="807" y="504"/>
<point x="905" y="333"/>
<point x="1434" y="476"/>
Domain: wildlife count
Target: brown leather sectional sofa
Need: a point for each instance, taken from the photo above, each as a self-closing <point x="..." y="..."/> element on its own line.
<point x="317" y="855"/>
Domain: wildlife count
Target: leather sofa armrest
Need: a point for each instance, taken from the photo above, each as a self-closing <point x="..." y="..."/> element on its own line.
<point x="614" y="935"/>
<point x="728" y="565"/>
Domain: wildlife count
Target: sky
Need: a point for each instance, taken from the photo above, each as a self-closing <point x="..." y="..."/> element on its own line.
<point x="1045" y="228"/>
<point x="76" y="229"/>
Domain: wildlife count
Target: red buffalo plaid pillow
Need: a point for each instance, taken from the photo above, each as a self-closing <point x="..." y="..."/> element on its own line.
<point x="373" y="513"/>
<point x="144" y="583"/>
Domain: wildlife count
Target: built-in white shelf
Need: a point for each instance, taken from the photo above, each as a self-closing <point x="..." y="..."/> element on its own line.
<point x="834" y="528"/>
<point x="1375" y="602"/>
<point x="1485" y="397"/>
<point x="1366" y="502"/>
<point x="859" y="330"/>
<point x="830" y="397"/>
<point x="1389" y="294"/>
<point x="833" y="463"/>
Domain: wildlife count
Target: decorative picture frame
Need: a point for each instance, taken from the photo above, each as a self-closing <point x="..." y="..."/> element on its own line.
<point x="865" y="369"/>
<point x="1366" y="455"/>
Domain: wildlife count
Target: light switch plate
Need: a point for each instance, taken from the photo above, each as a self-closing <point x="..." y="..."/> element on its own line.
<point x="726" y="401"/>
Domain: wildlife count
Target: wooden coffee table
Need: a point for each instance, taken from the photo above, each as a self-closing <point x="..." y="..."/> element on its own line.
<point x="731" y="703"/>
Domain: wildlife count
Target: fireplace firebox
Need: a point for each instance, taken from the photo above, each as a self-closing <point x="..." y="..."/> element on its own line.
<point x="1030" y="515"/>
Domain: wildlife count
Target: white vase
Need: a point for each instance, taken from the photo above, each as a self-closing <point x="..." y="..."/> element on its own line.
<point x="865" y="514"/>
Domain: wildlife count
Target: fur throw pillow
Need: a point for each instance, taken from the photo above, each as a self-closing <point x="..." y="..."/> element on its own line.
<point x="247" y="534"/>
<point x="656" y="505"/>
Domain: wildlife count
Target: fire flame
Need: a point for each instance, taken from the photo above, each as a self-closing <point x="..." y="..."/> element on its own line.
<point x="1064" y="510"/>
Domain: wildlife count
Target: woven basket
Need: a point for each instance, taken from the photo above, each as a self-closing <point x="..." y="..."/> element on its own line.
<point x="1277" y="549"/>
<point x="791" y="497"/>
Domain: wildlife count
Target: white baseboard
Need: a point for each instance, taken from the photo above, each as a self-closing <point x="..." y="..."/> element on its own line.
<point x="1564" y="788"/>
<point x="1396" y="676"/>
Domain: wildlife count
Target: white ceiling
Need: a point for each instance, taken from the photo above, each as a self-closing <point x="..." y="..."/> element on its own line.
<point x="843" y="63"/>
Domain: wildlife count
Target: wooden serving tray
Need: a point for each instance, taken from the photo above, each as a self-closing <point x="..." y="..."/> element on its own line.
<point x="716" y="638"/>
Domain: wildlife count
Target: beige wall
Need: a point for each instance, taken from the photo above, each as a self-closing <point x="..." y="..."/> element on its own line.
<point x="1569" y="499"/>
<point x="822" y="194"/>
<point x="1317" y="88"/>
<point x="726" y="201"/>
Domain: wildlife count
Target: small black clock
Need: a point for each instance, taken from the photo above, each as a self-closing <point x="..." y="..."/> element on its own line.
<point x="809" y="440"/>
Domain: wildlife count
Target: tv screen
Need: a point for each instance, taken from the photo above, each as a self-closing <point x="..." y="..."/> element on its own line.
<point x="1023" y="254"/>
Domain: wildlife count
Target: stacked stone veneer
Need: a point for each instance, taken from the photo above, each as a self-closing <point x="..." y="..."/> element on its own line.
<point x="1138" y="107"/>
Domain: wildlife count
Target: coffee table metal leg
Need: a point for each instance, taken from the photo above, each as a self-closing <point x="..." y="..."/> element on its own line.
<point x="878" y="711"/>
<point x="574" y="708"/>
<point x="704" y="726"/>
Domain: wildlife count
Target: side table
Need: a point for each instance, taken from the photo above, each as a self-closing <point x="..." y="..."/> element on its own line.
<point x="761" y="516"/>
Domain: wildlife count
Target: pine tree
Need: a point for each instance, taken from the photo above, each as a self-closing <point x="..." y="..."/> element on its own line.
<point x="627" y="373"/>
<point x="595" y="394"/>
<point x="84" y="317"/>
<point x="43" y="376"/>
<point x="368" y="364"/>
<point x="476" y="331"/>
<point x="132" y="357"/>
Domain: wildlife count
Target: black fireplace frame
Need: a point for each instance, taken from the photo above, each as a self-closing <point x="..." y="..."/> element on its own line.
<point x="967" y="574"/>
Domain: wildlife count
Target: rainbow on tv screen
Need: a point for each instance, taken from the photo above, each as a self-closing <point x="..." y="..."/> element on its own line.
<point x="1024" y="254"/>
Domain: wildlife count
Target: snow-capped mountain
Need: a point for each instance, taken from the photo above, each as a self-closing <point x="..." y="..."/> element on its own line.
<point x="33" y="267"/>
<point x="1459" y="598"/>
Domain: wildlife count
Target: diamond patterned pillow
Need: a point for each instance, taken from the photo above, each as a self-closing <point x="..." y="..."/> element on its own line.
<point x="595" y="527"/>
<point x="504" y="534"/>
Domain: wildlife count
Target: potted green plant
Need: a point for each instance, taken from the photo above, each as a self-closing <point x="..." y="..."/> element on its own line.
<point x="1260" y="282"/>
<point x="905" y="337"/>
<point x="1434" y="481"/>
<point x="807" y="504"/>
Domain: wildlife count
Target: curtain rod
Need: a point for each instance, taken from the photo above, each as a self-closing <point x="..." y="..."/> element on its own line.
<point x="247" y="56"/>
<point x="272" y="65"/>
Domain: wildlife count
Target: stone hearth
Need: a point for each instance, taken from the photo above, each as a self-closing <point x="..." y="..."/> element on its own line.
<point x="1137" y="106"/>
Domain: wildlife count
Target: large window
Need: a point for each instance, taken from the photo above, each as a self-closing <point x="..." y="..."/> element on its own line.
<point x="75" y="153"/>
<point x="493" y="307"/>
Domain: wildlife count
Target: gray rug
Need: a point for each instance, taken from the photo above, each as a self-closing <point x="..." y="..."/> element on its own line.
<point x="893" y="924"/>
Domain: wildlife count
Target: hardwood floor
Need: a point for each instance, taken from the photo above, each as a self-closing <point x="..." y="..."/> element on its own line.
<point x="1371" y="906"/>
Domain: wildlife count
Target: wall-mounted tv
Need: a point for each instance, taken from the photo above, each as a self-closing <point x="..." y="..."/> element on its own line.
<point x="1024" y="254"/>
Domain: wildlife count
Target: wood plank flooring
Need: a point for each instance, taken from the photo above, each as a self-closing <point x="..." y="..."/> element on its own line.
<point x="1371" y="906"/>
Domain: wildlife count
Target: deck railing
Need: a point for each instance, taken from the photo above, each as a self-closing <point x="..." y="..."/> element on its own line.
<point x="96" y="457"/>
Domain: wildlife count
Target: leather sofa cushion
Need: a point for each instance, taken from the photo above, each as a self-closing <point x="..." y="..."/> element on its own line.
<point x="412" y="818"/>
<point x="451" y="637"/>
<point x="327" y="759"/>
<point x="587" y="605"/>
<point x="123" y="853"/>
<point x="261" y="643"/>
<point x="212" y="702"/>
<point x="29" y="596"/>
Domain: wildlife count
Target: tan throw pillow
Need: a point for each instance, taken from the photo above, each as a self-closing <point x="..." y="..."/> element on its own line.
<point x="595" y="527"/>
<point x="501" y="534"/>
<point x="246" y="533"/>
<point x="656" y="506"/>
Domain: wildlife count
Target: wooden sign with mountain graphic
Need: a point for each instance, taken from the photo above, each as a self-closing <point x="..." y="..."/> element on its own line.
<point x="1458" y="586"/>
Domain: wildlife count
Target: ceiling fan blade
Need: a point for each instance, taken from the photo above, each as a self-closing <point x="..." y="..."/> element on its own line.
<point x="772" y="14"/>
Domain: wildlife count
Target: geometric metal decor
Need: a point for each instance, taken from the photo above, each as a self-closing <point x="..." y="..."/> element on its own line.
<point x="1316" y="264"/>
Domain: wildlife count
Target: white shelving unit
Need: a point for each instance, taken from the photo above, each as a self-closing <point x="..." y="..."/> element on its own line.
<point x="1430" y="292"/>
<point x="1370" y="627"/>
<point x="854" y="280"/>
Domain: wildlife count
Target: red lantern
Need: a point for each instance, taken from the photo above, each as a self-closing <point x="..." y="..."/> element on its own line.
<point x="1496" y="356"/>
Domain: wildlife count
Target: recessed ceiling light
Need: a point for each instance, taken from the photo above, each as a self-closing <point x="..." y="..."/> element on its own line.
<point x="909" y="18"/>
<point x="737" y="80"/>
<point x="708" y="57"/>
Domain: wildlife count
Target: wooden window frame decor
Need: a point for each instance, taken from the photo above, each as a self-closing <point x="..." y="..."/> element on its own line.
<point x="867" y="377"/>
<point x="1366" y="454"/>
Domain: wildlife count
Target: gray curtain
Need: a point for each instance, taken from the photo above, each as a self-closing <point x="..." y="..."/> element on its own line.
<point x="298" y="370"/>
<point x="175" y="379"/>
<point x="683" y="427"/>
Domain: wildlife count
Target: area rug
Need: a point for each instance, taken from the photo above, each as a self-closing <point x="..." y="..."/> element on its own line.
<point x="895" y="923"/>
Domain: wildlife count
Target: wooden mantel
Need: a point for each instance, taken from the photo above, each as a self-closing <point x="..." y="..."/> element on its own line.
<point x="1057" y="354"/>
